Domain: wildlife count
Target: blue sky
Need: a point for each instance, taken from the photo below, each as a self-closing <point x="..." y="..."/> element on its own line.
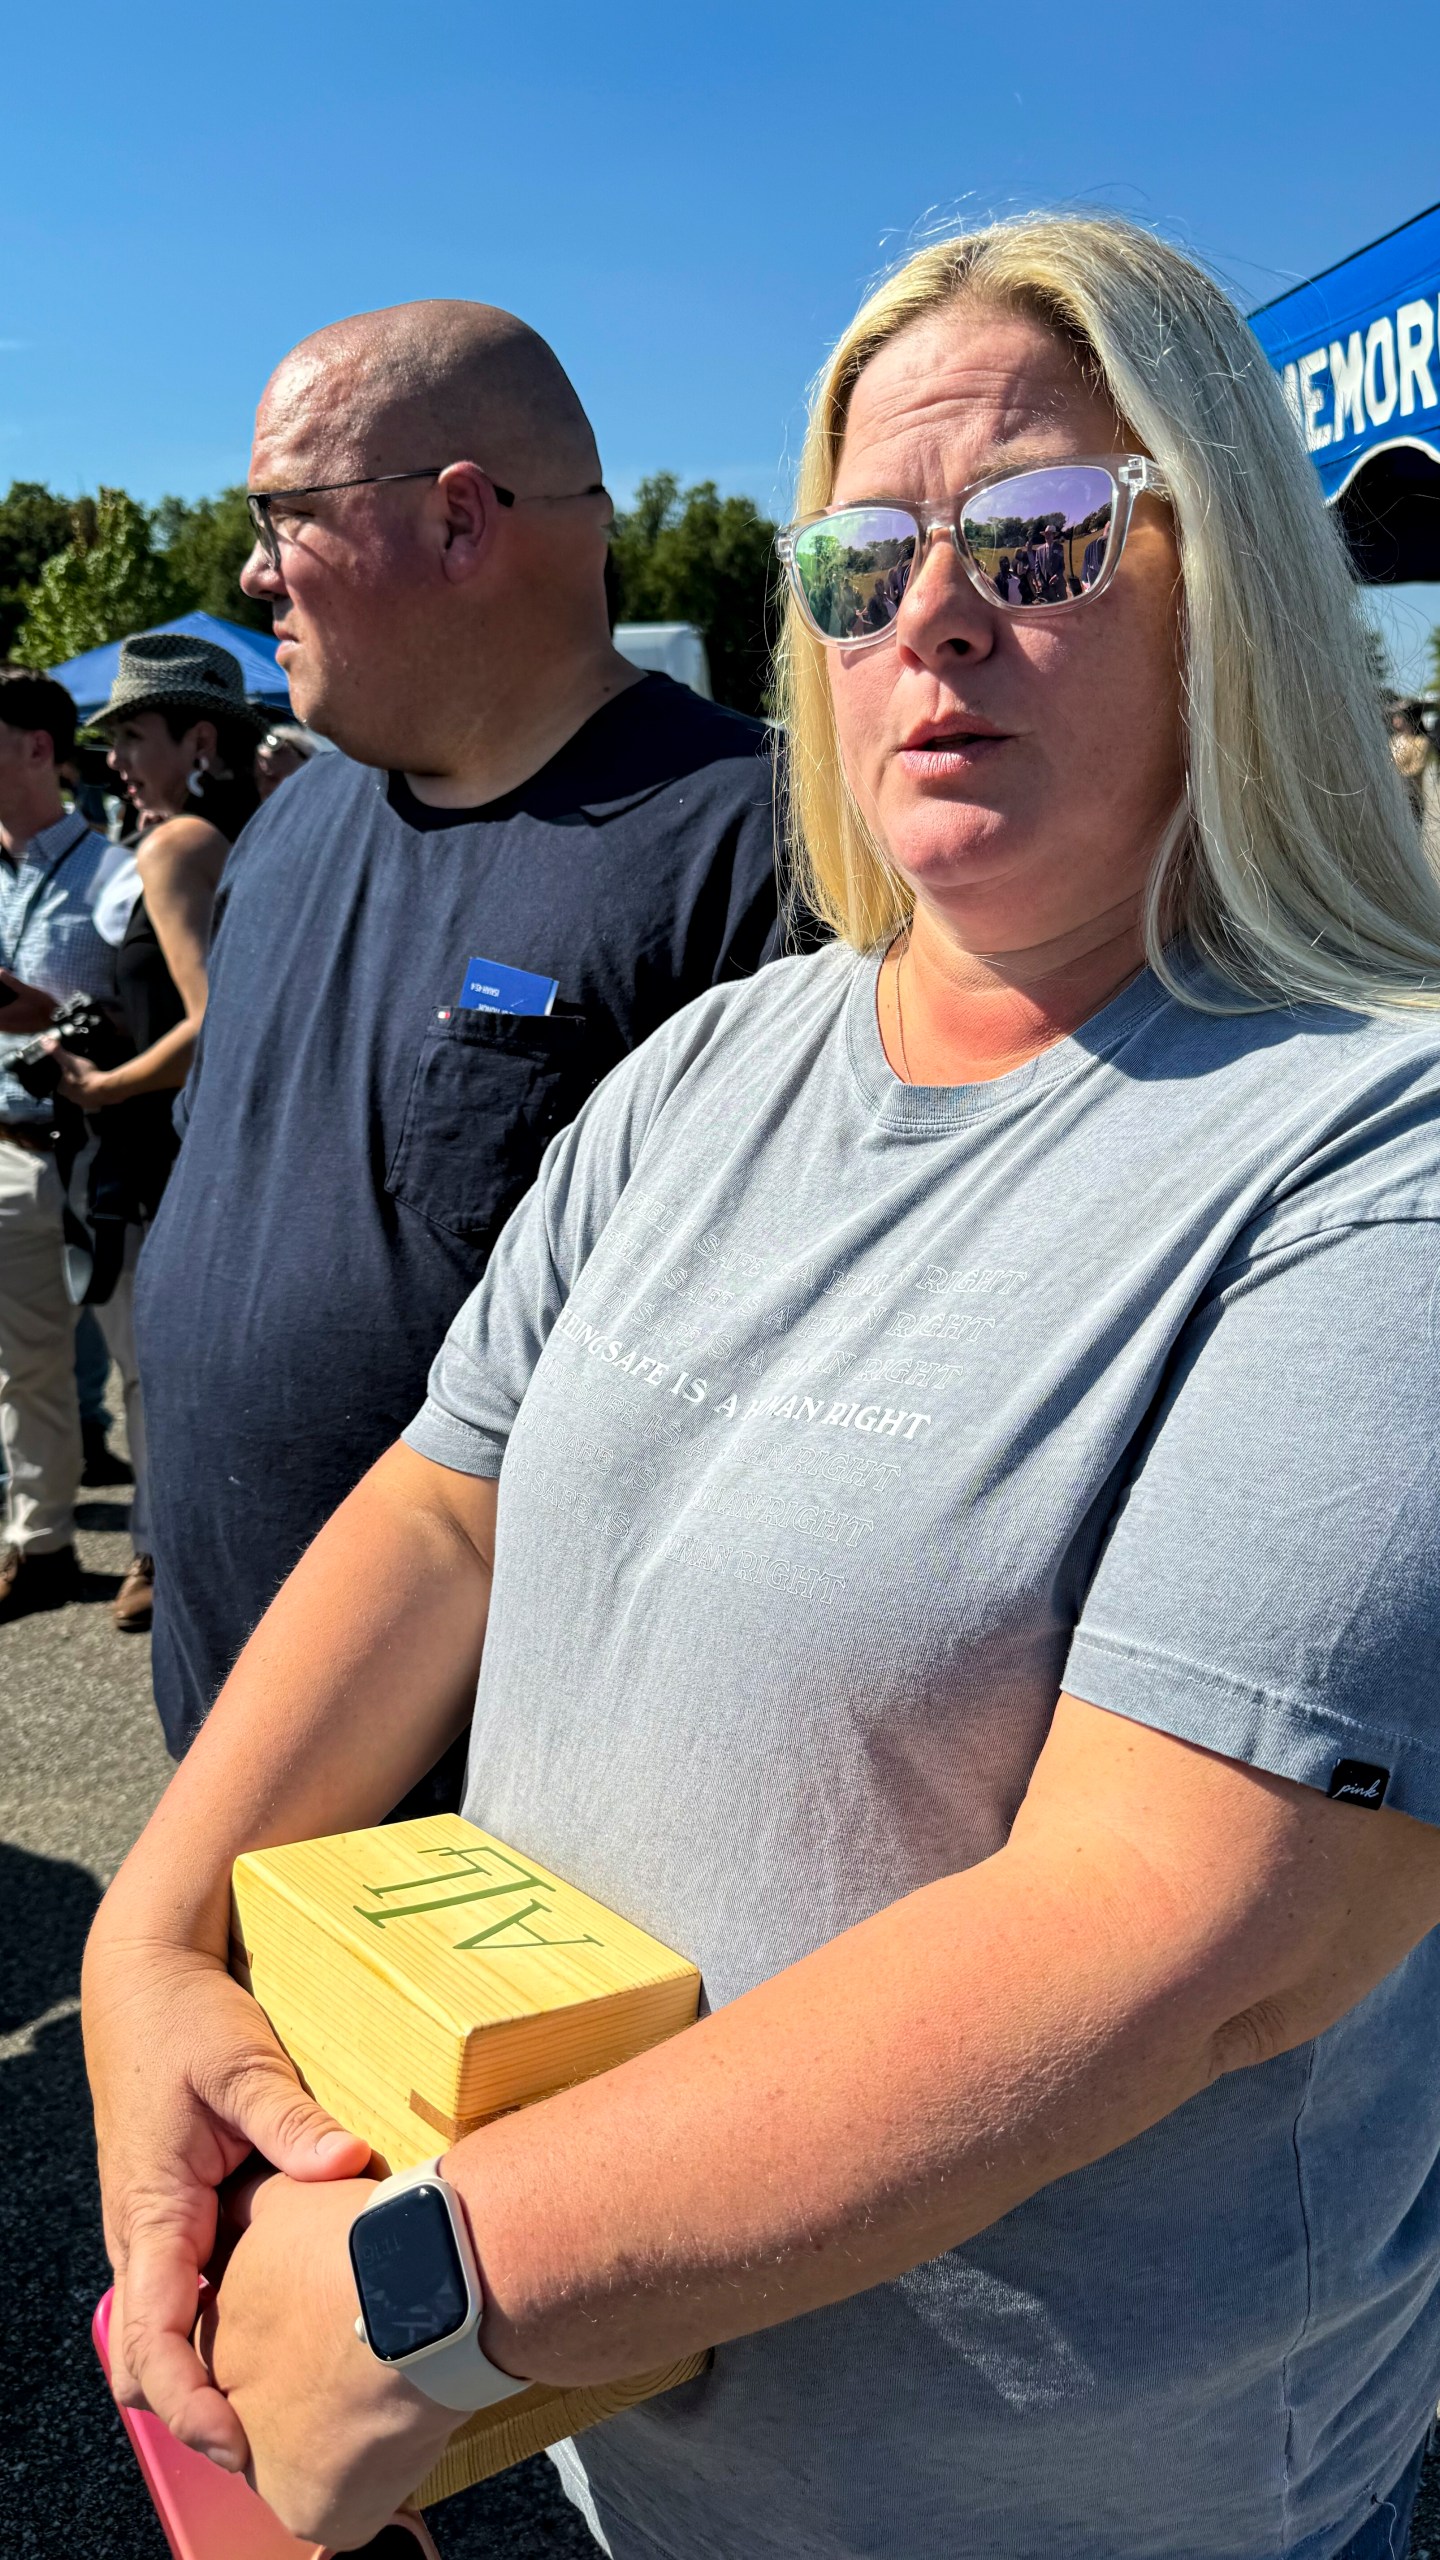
<point x="687" y="199"/>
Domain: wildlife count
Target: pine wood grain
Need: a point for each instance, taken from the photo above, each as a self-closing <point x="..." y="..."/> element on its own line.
<point x="424" y="1977"/>
<point x="494" y="2439"/>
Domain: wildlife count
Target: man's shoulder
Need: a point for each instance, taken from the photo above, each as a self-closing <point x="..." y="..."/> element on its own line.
<point x="710" y="731"/>
<point x="74" y="869"/>
<point x="67" y="883"/>
<point x="74" y="875"/>
<point x="323" y="803"/>
<point x="305" y="847"/>
<point x="323" y="783"/>
<point x="660" y="736"/>
<point x="792" y="1000"/>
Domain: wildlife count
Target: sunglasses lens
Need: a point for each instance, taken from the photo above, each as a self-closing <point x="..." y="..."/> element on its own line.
<point x="852" y="569"/>
<point x="1042" y="537"/>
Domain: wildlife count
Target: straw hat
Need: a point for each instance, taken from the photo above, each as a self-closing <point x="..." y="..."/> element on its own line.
<point x="175" y="671"/>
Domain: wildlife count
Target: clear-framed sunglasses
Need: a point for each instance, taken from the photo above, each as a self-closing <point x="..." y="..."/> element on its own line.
<point x="1027" y="541"/>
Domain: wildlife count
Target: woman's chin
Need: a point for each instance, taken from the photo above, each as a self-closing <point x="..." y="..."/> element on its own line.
<point x="955" y="851"/>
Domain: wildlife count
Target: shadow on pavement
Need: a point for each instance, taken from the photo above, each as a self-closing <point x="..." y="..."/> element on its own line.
<point x="524" y="2515"/>
<point x="68" y="2481"/>
<point x="99" y="1586"/>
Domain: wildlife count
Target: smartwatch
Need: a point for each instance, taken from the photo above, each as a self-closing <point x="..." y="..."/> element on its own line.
<point x="420" y="2292"/>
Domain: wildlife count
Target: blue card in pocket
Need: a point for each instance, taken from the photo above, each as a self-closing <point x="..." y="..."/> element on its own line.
<point x="492" y="988"/>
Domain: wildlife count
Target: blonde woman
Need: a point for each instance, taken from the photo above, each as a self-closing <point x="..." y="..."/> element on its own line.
<point x="966" y="1408"/>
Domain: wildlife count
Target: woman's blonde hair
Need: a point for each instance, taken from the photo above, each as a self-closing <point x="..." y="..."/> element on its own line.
<point x="1296" y="869"/>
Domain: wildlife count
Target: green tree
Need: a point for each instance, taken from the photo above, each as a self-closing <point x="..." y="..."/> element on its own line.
<point x="1435" y="659"/>
<point x="704" y="559"/>
<point x="105" y="583"/>
<point x="1377" y="658"/>
<point x="34" y="525"/>
<point x="205" y="543"/>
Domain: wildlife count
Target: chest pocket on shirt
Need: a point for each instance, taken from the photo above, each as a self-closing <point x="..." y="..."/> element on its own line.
<point x="488" y="1093"/>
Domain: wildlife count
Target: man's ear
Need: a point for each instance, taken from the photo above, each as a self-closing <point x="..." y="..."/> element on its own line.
<point x="470" y="511"/>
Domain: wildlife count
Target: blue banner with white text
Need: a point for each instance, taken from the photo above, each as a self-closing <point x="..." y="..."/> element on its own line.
<point x="1358" y="351"/>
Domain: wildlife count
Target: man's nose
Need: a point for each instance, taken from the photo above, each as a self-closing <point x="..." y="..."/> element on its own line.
<point x="260" y="577"/>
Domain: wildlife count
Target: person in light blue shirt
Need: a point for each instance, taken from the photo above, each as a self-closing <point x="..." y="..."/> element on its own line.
<point x="932" y="1511"/>
<point x="54" y="869"/>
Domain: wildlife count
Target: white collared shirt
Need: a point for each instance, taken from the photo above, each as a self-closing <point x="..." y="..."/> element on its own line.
<point x="48" y="930"/>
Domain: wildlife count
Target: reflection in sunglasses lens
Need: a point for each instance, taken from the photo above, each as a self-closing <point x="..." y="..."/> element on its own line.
<point x="1042" y="537"/>
<point x="853" y="569"/>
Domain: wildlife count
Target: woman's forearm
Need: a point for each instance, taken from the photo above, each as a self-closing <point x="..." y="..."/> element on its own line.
<point x="1158" y="1916"/>
<point x="357" y="1677"/>
<point x="162" y="1068"/>
<point x="876" y="2104"/>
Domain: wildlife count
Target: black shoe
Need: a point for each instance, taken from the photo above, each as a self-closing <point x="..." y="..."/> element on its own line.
<point x="102" y="1464"/>
<point x="29" y="1582"/>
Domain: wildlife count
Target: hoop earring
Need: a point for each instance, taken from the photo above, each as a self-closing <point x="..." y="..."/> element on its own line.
<point x="196" y="783"/>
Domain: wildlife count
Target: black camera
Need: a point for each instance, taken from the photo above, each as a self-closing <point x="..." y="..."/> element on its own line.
<point x="85" y="1029"/>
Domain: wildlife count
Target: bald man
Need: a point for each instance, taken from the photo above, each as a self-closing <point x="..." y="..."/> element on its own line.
<point x="430" y="947"/>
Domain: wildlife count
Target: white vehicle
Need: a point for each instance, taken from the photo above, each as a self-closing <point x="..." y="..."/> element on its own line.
<point x="667" y="649"/>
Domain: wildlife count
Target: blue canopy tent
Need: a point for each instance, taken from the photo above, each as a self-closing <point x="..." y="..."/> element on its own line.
<point x="1358" y="350"/>
<point x="90" y="678"/>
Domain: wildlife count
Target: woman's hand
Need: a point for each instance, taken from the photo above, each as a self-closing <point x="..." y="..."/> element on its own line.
<point x="187" y="2078"/>
<point x="337" y="2442"/>
<point x="86" y="1086"/>
<point x="305" y="1740"/>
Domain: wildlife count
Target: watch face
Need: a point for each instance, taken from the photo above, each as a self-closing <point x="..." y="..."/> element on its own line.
<point x="408" y="2273"/>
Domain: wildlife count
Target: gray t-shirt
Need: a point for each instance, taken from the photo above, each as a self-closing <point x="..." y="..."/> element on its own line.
<point x="843" y="1423"/>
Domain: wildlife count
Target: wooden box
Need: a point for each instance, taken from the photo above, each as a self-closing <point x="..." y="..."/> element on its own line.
<point x="423" y="1978"/>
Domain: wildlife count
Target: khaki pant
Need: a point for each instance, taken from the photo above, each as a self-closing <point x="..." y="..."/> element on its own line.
<point x="39" y="1415"/>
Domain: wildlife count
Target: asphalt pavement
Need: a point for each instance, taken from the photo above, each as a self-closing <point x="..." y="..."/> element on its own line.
<point x="81" y="1764"/>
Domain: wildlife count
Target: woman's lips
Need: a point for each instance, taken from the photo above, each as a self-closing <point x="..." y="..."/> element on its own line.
<point x="937" y="758"/>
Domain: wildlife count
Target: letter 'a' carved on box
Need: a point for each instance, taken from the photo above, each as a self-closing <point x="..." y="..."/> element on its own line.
<point x="424" y="1977"/>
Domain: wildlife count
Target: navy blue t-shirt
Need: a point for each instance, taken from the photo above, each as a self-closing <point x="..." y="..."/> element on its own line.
<point x="354" y="1139"/>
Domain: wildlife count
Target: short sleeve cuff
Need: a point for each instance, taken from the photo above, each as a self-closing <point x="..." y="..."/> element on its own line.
<point x="436" y="1434"/>
<point x="1295" y="1737"/>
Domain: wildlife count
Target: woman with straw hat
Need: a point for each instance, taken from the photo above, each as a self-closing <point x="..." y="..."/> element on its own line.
<point x="182" y="742"/>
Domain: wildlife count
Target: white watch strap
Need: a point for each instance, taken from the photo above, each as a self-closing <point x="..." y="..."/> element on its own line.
<point x="457" y="2373"/>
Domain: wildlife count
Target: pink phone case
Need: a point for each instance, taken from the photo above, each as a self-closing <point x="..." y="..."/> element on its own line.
<point x="209" y="2514"/>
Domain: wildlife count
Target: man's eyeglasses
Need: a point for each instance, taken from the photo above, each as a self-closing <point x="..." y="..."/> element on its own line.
<point x="1044" y="538"/>
<point x="262" y="503"/>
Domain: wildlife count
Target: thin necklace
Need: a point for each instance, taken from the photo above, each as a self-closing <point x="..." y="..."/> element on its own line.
<point x="899" y="1008"/>
<point x="1056" y="1036"/>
